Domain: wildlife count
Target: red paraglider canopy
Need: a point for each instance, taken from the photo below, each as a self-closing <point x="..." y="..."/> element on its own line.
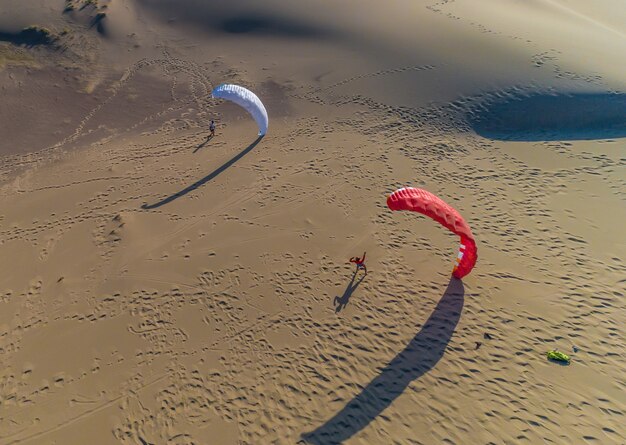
<point x="424" y="202"/>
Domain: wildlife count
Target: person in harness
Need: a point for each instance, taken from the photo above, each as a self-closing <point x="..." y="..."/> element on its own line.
<point x="359" y="262"/>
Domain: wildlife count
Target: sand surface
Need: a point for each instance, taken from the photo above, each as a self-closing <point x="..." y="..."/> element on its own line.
<point x="160" y="287"/>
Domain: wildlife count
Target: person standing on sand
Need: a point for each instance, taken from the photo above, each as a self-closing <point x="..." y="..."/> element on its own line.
<point x="360" y="262"/>
<point x="212" y="128"/>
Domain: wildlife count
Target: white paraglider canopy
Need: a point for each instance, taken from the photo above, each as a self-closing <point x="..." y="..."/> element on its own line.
<point x="246" y="99"/>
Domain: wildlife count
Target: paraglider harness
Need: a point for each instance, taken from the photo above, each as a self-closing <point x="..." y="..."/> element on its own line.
<point x="360" y="262"/>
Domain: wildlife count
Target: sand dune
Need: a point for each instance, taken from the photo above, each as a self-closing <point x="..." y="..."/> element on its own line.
<point x="163" y="287"/>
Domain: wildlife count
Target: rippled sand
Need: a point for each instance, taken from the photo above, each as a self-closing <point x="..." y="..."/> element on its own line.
<point x="161" y="287"/>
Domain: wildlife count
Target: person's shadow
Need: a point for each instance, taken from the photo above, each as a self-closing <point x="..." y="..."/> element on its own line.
<point x="420" y="356"/>
<point x="208" y="139"/>
<point x="204" y="180"/>
<point x="342" y="302"/>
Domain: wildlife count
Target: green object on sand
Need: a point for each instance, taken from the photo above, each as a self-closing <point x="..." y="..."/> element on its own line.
<point x="558" y="356"/>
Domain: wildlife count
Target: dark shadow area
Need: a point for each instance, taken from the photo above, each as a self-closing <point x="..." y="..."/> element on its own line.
<point x="233" y="18"/>
<point x="99" y="22"/>
<point x="553" y="118"/>
<point x="342" y="302"/>
<point x="266" y="25"/>
<point x="208" y="139"/>
<point x="204" y="180"/>
<point x="558" y="362"/>
<point x="31" y="36"/>
<point x="420" y="356"/>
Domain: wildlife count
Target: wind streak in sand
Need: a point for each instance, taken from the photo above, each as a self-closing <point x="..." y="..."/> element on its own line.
<point x="204" y="180"/>
<point x="79" y="417"/>
<point x="420" y="356"/>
